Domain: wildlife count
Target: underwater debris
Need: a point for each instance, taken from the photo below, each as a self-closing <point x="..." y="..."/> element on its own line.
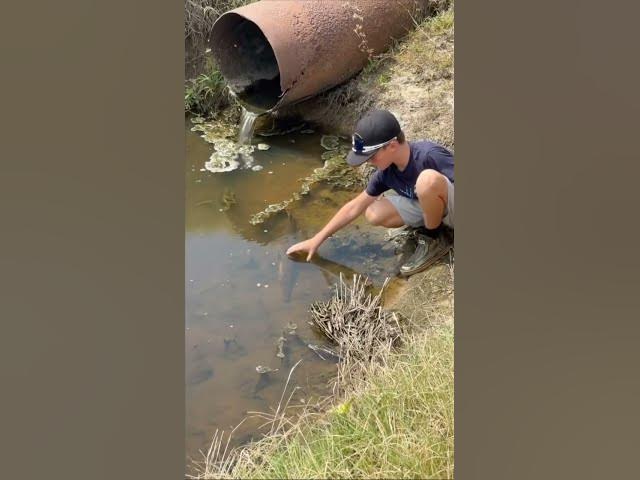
<point x="335" y="172"/>
<point x="228" y="199"/>
<point x="261" y="369"/>
<point x="291" y="328"/>
<point x="319" y="350"/>
<point x="330" y="142"/>
<point x="280" y="344"/>
<point x="263" y="146"/>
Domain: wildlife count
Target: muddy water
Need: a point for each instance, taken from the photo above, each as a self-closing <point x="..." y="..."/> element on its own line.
<point x="241" y="290"/>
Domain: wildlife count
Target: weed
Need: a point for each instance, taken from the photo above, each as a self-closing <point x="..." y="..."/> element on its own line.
<point x="206" y="93"/>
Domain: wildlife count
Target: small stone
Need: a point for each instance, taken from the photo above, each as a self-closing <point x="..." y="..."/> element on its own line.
<point x="266" y="286"/>
<point x="258" y="284"/>
<point x="265" y="231"/>
<point x="257" y="168"/>
<point x="263" y="146"/>
<point x="270" y="173"/>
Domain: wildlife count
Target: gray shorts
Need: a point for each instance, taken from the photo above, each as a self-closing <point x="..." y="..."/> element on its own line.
<point x="411" y="212"/>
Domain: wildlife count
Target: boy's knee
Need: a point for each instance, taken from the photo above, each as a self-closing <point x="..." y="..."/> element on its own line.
<point x="373" y="216"/>
<point x="430" y="182"/>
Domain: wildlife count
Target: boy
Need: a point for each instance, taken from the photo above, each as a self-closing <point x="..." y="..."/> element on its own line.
<point x="421" y="173"/>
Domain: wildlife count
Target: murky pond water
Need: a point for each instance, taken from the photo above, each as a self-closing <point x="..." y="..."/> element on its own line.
<point x="242" y="291"/>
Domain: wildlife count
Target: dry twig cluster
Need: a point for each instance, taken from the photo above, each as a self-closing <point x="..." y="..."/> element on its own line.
<point x="354" y="319"/>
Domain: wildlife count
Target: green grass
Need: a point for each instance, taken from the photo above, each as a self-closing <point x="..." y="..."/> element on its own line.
<point x="396" y="423"/>
<point x="205" y="93"/>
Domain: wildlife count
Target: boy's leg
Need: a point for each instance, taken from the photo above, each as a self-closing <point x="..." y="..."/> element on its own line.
<point x="382" y="213"/>
<point x="432" y="189"/>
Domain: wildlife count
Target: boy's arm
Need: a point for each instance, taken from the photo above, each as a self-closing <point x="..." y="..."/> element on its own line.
<point x="347" y="213"/>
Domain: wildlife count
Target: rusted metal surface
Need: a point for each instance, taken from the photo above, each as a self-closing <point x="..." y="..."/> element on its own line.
<point x="278" y="52"/>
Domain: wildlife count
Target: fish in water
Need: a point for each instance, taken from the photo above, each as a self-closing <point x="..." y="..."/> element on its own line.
<point x="288" y="270"/>
<point x="289" y="265"/>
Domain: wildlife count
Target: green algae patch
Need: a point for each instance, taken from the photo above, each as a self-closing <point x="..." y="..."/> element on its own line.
<point x="335" y="173"/>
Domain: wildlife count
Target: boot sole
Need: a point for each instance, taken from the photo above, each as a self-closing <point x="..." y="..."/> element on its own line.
<point x="426" y="264"/>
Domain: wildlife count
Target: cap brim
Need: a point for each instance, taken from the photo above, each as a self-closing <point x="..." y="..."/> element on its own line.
<point x="354" y="159"/>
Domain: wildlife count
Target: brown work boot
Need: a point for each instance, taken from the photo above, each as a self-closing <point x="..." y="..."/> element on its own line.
<point x="428" y="251"/>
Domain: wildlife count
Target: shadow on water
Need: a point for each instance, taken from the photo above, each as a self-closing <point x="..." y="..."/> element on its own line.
<point x="246" y="301"/>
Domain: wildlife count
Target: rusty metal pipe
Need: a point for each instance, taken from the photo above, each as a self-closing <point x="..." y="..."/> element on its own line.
<point x="278" y="52"/>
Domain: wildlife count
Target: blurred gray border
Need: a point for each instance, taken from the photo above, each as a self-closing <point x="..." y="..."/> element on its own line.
<point x="92" y="209"/>
<point x="547" y="284"/>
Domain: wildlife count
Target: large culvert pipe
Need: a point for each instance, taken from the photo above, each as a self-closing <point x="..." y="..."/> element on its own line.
<point x="277" y="52"/>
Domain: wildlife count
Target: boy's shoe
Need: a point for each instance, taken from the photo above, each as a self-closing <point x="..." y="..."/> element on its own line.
<point x="428" y="251"/>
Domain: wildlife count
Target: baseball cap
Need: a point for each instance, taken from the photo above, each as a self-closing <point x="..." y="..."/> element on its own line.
<point x="373" y="131"/>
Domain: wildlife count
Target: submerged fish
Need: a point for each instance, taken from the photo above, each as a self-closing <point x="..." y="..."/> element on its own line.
<point x="289" y="265"/>
<point x="288" y="269"/>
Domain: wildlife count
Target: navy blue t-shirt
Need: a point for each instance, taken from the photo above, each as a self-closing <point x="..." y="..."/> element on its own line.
<point x="423" y="155"/>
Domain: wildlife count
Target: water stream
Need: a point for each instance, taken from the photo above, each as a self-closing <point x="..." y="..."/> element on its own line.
<point x="241" y="290"/>
<point x="247" y="125"/>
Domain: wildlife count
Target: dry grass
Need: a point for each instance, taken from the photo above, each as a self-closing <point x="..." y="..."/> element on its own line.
<point x="355" y="320"/>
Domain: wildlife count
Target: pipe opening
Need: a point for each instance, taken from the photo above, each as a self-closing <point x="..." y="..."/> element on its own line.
<point x="247" y="61"/>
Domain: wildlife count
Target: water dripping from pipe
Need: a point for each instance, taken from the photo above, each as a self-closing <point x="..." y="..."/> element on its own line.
<point x="247" y="126"/>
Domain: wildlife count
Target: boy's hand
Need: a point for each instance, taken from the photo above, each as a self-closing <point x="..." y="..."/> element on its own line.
<point x="310" y="246"/>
